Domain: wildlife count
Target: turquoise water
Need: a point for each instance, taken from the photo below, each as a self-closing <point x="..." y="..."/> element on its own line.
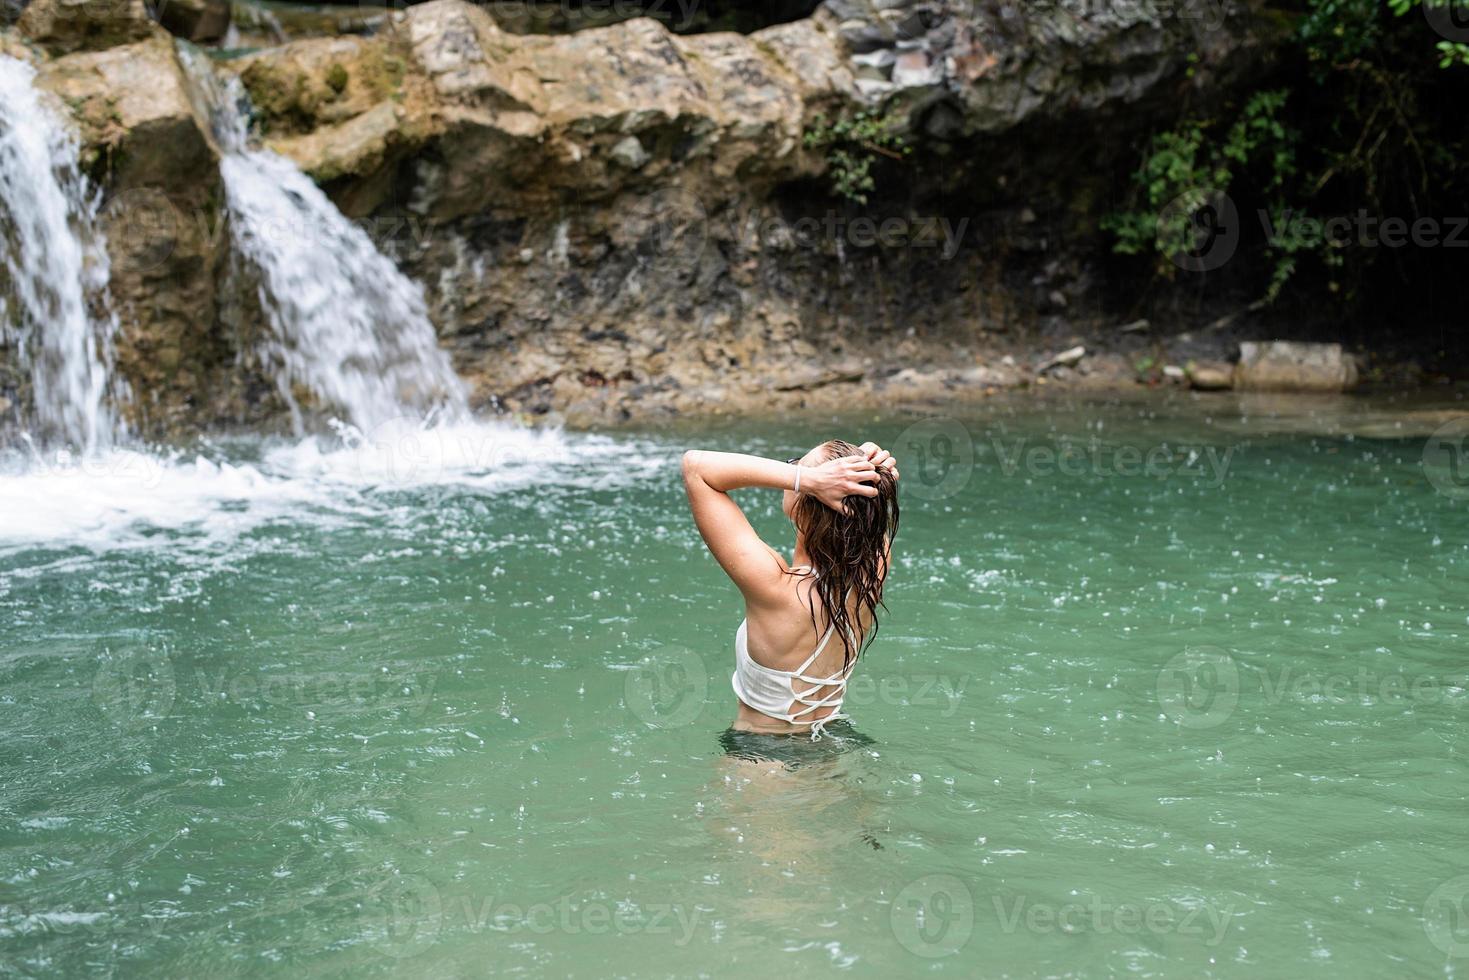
<point x="284" y="712"/>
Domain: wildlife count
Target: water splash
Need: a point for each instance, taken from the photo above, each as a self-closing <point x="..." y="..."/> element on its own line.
<point x="346" y="325"/>
<point x="55" y="268"/>
<point x="207" y="499"/>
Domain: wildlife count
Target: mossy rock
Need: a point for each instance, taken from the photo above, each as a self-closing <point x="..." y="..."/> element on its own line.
<point x="282" y="99"/>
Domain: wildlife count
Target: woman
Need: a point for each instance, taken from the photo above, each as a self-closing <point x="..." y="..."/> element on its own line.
<point x="806" y="621"/>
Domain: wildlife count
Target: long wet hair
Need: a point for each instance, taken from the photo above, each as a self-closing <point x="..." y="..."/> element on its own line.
<point x="848" y="551"/>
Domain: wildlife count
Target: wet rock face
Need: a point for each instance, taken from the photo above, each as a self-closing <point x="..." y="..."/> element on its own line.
<point x="625" y="219"/>
<point x="64" y="26"/>
<point x="200" y="21"/>
<point x="1280" y="365"/>
<point x="995" y="64"/>
<point x="149" y="150"/>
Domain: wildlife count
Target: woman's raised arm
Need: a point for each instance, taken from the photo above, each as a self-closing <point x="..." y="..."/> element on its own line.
<point x="708" y="477"/>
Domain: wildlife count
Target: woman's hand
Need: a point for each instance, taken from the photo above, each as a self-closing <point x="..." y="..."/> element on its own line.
<point x="880" y="458"/>
<point x="835" y="479"/>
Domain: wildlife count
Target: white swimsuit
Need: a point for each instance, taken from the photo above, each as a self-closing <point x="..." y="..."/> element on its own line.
<point x="772" y="692"/>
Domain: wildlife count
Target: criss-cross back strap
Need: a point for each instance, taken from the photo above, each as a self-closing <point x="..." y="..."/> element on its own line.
<point x="838" y="680"/>
<point x="832" y="699"/>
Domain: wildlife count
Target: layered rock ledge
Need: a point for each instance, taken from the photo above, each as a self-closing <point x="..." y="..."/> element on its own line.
<point x="624" y="221"/>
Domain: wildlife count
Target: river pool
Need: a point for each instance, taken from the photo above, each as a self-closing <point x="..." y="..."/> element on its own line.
<point x="1167" y="687"/>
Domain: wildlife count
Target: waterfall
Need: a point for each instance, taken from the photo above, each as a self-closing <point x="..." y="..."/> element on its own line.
<point x="53" y="268"/>
<point x="345" y="323"/>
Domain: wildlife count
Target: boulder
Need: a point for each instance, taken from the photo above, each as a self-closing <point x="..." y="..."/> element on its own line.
<point x="199" y="21"/>
<point x="518" y="121"/>
<point x="1279" y="365"/>
<point x="1210" y="375"/>
<point x="1067" y="358"/>
<point x="133" y="105"/>
<point x="995" y="65"/>
<point x="160" y="216"/>
<point x="65" y="26"/>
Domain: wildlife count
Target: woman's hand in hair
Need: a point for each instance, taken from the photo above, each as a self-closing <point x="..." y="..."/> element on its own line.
<point x="836" y="479"/>
<point x="880" y="458"/>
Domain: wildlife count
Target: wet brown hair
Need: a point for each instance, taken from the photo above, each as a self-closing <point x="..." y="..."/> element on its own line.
<point x="848" y="551"/>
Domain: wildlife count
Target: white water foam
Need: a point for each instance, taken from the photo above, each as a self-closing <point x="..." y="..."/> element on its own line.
<point x="347" y="326"/>
<point x="55" y="262"/>
<point x="125" y="499"/>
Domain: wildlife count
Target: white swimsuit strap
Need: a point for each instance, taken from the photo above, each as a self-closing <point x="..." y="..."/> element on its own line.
<point x="815" y="653"/>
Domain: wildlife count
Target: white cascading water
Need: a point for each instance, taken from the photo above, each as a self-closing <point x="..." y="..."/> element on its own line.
<point x="346" y="324"/>
<point x="55" y="265"/>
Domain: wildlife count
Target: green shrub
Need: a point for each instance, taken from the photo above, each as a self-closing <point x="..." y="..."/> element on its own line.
<point x="850" y="145"/>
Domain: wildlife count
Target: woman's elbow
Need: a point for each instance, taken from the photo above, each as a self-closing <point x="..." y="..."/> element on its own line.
<point x="690" y="464"/>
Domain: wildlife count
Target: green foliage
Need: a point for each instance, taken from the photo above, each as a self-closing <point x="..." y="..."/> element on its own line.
<point x="851" y="144"/>
<point x="1336" y="32"/>
<point x="1188" y="166"/>
<point x="1452" y="53"/>
<point x="1365" y="126"/>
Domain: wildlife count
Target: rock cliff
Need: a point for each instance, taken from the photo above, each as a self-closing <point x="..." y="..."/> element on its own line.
<point x="624" y="221"/>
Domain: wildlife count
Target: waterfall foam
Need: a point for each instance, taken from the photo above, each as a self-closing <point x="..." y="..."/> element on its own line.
<point x="55" y="268"/>
<point x="345" y="326"/>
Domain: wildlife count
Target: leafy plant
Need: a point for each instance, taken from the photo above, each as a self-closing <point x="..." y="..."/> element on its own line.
<point x="1186" y="167"/>
<point x="851" y="144"/>
<point x="1452" y="53"/>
